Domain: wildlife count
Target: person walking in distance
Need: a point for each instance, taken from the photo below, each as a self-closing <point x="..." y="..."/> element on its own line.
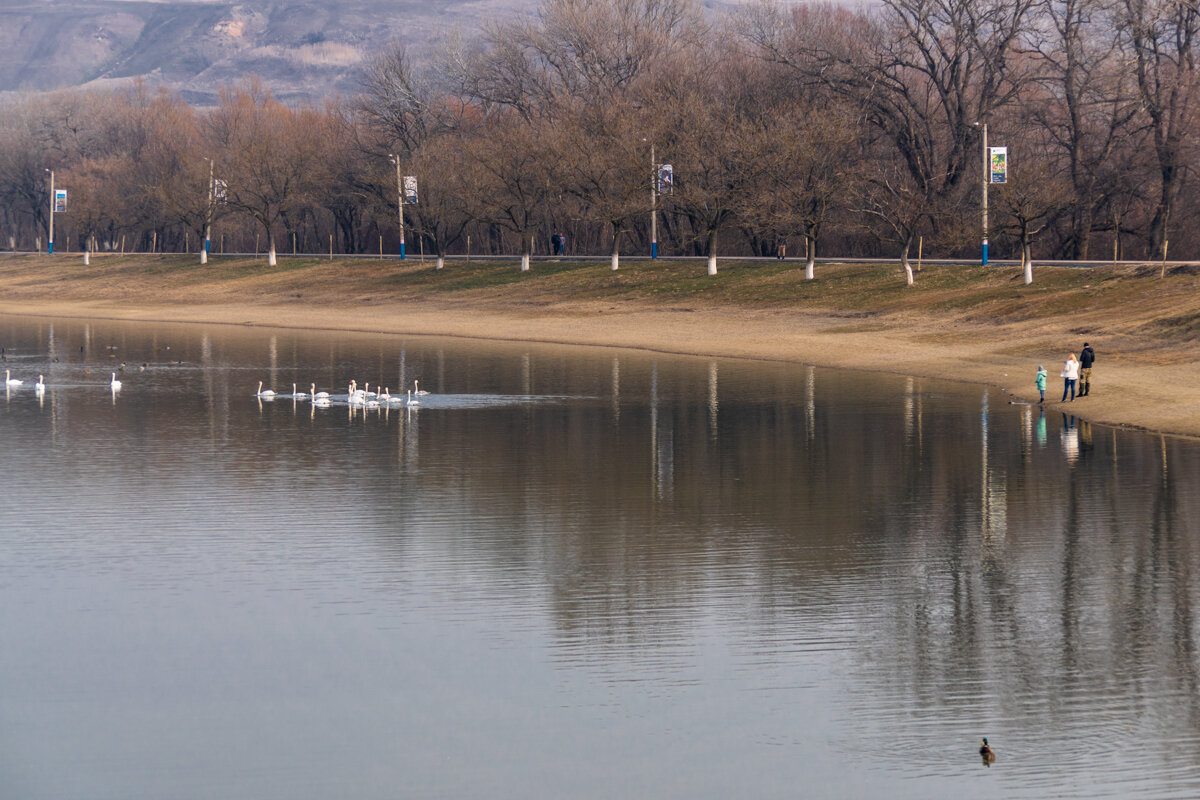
<point x="1086" y="357"/>
<point x="1070" y="374"/>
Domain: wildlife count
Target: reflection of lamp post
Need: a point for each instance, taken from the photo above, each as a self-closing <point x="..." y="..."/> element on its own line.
<point x="399" y="199"/>
<point x="50" y="235"/>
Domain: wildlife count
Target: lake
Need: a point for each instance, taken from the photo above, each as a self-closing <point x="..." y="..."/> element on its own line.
<point x="575" y="572"/>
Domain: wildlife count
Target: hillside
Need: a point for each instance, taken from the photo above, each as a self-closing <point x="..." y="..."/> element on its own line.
<point x="301" y="50"/>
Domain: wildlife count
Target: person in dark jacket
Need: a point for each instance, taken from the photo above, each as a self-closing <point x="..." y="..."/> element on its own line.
<point x="1086" y="357"/>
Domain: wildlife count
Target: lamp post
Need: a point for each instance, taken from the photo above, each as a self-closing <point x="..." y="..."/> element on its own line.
<point x="986" y="177"/>
<point x="50" y="232"/>
<point x="208" y="212"/>
<point x="399" y="199"/>
<point x="653" y="205"/>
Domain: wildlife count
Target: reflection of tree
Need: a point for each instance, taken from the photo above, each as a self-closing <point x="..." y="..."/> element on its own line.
<point x="813" y="520"/>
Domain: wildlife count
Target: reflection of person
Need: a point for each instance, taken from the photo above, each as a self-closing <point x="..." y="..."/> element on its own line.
<point x="1040" y="382"/>
<point x="1070" y="374"/>
<point x="1041" y="429"/>
<point x="1086" y="357"/>
<point x="1070" y="439"/>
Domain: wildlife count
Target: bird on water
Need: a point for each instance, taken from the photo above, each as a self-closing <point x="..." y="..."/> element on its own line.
<point x="985" y="752"/>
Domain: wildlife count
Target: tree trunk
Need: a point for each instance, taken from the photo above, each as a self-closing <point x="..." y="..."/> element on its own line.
<point x="908" y="271"/>
<point x="616" y="246"/>
<point x="527" y="248"/>
<point x="441" y="261"/>
<point x="712" y="252"/>
<point x="271" y="245"/>
<point x="810" y="262"/>
<point x="1026" y="258"/>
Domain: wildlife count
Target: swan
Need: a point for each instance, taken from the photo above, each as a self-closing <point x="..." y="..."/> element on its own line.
<point x="266" y="394"/>
<point x="114" y="383"/>
<point x="312" y="387"/>
<point x="412" y="401"/>
<point x="9" y="380"/>
<point x="417" y="390"/>
<point x="300" y="395"/>
<point x="40" y="386"/>
<point x="367" y="391"/>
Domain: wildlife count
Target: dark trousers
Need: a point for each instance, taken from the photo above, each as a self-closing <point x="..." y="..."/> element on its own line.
<point x="1068" y="385"/>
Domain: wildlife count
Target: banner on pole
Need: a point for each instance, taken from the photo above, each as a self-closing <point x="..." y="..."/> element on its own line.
<point x="666" y="178"/>
<point x="60" y="200"/>
<point x="220" y="190"/>
<point x="998" y="164"/>
<point x="410" y="190"/>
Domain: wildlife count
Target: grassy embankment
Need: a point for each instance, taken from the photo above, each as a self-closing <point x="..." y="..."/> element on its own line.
<point x="1125" y="299"/>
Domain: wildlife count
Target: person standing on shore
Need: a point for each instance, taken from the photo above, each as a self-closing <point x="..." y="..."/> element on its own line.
<point x="1040" y="382"/>
<point x="1070" y="374"/>
<point x="1086" y="357"/>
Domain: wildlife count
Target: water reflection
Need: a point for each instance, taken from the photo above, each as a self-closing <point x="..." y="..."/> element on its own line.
<point x="629" y="564"/>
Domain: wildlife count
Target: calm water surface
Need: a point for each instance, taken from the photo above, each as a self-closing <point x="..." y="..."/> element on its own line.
<point x="575" y="573"/>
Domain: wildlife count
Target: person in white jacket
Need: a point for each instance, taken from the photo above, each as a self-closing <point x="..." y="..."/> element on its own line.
<point x="1070" y="374"/>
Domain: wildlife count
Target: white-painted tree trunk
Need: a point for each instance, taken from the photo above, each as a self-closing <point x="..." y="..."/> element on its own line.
<point x="908" y="271"/>
<point x="1027" y="264"/>
<point x="525" y="262"/>
<point x="203" y="255"/>
<point x="271" y="256"/>
<point x="712" y="263"/>
<point x="441" y="262"/>
<point x="616" y="262"/>
<point x="86" y="258"/>
<point x="810" y="264"/>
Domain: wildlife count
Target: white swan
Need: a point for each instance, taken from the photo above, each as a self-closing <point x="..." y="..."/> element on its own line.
<point x="300" y="395"/>
<point x="266" y="394"/>
<point x="312" y="387"/>
<point x="114" y="384"/>
<point x="417" y="390"/>
<point x="40" y="386"/>
<point x="412" y="401"/>
<point x="9" y="380"/>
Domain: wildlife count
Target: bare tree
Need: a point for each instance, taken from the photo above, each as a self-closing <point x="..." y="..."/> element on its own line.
<point x="515" y="163"/>
<point x="1162" y="39"/>
<point x="272" y="155"/>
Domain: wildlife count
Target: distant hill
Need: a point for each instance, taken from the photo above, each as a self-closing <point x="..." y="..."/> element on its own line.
<point x="301" y="50"/>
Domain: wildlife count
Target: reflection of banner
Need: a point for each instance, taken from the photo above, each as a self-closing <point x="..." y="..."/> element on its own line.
<point x="60" y="200"/>
<point x="220" y="190"/>
<point x="410" y="190"/>
<point x="666" y="178"/>
<point x="998" y="164"/>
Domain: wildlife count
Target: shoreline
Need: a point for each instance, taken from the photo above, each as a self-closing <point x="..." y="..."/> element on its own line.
<point x="1139" y="382"/>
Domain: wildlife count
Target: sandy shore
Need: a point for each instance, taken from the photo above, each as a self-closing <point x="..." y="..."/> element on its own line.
<point x="1137" y="382"/>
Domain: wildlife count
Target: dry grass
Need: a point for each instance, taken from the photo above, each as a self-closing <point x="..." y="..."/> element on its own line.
<point x="1118" y="300"/>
